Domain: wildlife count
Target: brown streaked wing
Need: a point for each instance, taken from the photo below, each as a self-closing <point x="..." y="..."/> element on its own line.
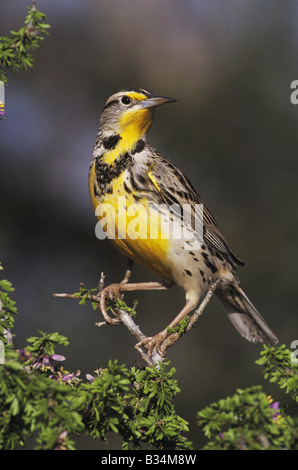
<point x="179" y="190"/>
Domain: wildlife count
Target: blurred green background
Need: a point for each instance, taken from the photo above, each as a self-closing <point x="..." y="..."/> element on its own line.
<point x="233" y="132"/>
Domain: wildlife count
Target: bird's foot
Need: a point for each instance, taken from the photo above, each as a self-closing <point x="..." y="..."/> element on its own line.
<point x="109" y="293"/>
<point x="153" y="342"/>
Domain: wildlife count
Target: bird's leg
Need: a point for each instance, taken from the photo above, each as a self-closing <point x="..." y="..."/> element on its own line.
<point x="114" y="290"/>
<point x="157" y="340"/>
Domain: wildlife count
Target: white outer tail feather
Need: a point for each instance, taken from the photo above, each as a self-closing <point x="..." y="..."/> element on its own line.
<point x="247" y="320"/>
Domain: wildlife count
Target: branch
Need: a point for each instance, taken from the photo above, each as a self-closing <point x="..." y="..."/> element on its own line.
<point x="125" y="318"/>
<point x="134" y="329"/>
<point x="14" y="49"/>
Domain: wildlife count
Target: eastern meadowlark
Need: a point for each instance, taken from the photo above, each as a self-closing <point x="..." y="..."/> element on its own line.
<point x="126" y="168"/>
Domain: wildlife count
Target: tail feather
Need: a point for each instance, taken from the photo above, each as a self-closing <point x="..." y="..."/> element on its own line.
<point x="244" y="316"/>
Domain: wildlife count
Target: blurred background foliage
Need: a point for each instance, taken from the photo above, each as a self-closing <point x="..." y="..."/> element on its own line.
<point x="233" y="132"/>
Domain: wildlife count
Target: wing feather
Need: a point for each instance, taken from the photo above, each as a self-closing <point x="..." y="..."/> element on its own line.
<point x="175" y="188"/>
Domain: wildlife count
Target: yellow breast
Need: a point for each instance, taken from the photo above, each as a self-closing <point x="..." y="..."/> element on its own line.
<point x="135" y="228"/>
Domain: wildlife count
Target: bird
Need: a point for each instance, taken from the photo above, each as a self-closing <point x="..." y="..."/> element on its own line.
<point x="126" y="173"/>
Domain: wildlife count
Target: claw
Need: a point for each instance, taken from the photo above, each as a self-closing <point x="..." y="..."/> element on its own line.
<point x="153" y="342"/>
<point x="109" y="292"/>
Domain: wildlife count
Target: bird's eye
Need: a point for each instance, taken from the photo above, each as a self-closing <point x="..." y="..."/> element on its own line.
<point x="125" y="100"/>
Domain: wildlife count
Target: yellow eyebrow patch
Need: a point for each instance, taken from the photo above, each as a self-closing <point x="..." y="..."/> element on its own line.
<point x="136" y="96"/>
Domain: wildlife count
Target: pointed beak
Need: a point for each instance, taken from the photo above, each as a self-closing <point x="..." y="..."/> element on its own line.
<point x="154" y="101"/>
